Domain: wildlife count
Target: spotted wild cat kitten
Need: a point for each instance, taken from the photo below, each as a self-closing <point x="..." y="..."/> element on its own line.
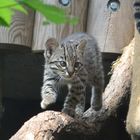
<point x="77" y="62"/>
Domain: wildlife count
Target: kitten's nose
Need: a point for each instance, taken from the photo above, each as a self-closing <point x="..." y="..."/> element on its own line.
<point x="70" y="73"/>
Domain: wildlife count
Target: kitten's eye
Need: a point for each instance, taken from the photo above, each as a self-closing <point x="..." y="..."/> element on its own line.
<point x="77" y="65"/>
<point x="63" y="63"/>
<point x="76" y="45"/>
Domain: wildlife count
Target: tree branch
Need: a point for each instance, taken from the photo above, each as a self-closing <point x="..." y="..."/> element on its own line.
<point x="49" y="124"/>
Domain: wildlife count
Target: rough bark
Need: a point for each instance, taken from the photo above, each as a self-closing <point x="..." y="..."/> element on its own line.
<point x="133" y="117"/>
<point x="49" y="124"/>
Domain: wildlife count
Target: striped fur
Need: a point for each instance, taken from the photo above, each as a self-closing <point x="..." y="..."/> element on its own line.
<point x="137" y="13"/>
<point x="76" y="61"/>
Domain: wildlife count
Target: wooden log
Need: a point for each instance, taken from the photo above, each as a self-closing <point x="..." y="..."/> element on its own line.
<point x="113" y="30"/>
<point x="49" y="125"/>
<point x="20" y="31"/>
<point x="77" y="8"/>
<point x="133" y="117"/>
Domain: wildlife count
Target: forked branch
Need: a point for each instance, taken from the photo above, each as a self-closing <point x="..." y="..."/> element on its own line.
<point x="49" y="125"/>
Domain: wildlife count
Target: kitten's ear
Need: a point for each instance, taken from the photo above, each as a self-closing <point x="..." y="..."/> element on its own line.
<point x="81" y="46"/>
<point x="50" y="46"/>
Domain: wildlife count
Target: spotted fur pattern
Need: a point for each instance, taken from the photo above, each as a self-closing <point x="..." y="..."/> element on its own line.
<point x="77" y="62"/>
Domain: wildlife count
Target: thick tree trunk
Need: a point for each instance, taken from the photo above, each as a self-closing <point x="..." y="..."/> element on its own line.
<point x="49" y="125"/>
<point x="133" y="117"/>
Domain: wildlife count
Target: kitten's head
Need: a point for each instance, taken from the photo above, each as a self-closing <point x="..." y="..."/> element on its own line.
<point x="65" y="59"/>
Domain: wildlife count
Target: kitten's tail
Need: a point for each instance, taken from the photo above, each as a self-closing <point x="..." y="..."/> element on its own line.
<point x="137" y="13"/>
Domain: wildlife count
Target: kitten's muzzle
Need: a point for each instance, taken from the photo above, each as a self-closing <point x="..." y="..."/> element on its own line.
<point x="70" y="73"/>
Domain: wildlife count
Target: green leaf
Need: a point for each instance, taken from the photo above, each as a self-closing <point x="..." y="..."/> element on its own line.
<point x="20" y="8"/>
<point x="3" y="23"/>
<point x="7" y="9"/>
<point x="74" y="20"/>
<point x="7" y="3"/>
<point x="51" y="13"/>
<point x="13" y="4"/>
<point x="6" y="15"/>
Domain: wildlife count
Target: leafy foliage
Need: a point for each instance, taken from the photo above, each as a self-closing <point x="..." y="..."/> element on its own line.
<point x="50" y="12"/>
<point x="7" y="9"/>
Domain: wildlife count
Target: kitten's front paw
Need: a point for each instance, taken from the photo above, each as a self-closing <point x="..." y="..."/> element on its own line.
<point x="78" y="113"/>
<point x="47" y="100"/>
<point x="69" y="111"/>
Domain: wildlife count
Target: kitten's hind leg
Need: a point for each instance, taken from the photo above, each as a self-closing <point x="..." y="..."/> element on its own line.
<point x="96" y="98"/>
